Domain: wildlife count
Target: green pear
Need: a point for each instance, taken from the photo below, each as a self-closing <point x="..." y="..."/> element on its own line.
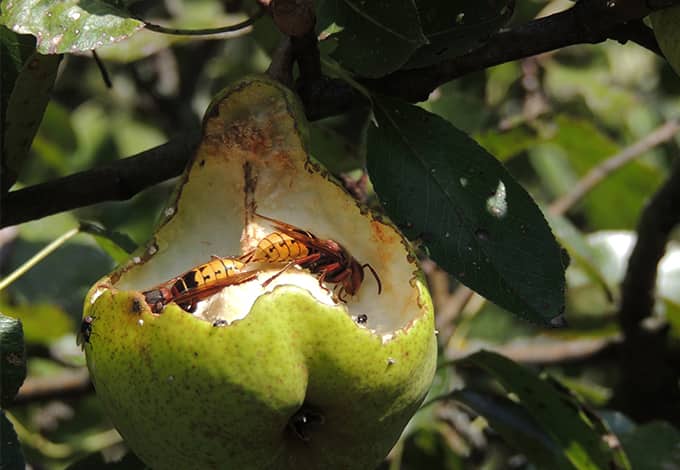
<point x="276" y="372"/>
<point x="666" y="25"/>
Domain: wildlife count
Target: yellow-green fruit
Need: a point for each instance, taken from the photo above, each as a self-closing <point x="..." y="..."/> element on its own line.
<point x="292" y="378"/>
<point x="666" y="24"/>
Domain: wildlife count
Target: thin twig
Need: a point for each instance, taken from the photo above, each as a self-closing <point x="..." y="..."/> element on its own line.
<point x="68" y="385"/>
<point x="203" y="32"/>
<point x="598" y="173"/>
<point x="540" y="351"/>
<point x="38" y="257"/>
<point x="102" y="70"/>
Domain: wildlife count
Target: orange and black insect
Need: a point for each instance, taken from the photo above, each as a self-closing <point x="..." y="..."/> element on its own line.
<point x="85" y="331"/>
<point x="325" y="257"/>
<point x="198" y="283"/>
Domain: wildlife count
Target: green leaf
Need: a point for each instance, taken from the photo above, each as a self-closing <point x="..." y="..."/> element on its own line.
<point x="69" y="25"/>
<point x="372" y="38"/>
<point x="11" y="456"/>
<point x="12" y="359"/>
<point x="96" y="460"/>
<point x="15" y="51"/>
<point x="429" y="448"/>
<point x="517" y="427"/>
<point x="627" y="189"/>
<point x="579" y="249"/>
<point x="477" y="221"/>
<point x="337" y="141"/>
<point x="463" y="106"/>
<point x="566" y="424"/>
<point x="653" y="446"/>
<point x="117" y="245"/>
<point x="24" y="106"/>
<point x="505" y="145"/>
<point x="453" y="28"/>
<point x="43" y="323"/>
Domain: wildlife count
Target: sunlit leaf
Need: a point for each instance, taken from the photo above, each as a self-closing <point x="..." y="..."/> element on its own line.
<point x="68" y="26"/>
<point x="43" y="323"/>
<point x="477" y="221"/>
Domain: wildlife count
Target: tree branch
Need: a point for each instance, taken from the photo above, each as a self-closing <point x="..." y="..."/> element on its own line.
<point x="69" y="385"/>
<point x="648" y="386"/>
<point x="114" y="182"/>
<point x="661" y="214"/>
<point x="587" y="22"/>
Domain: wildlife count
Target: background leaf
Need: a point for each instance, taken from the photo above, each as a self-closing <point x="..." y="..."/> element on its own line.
<point x="477" y="221"/>
<point x="652" y="446"/>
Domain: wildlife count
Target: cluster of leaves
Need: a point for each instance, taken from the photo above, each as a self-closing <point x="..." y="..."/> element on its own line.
<point x="548" y="119"/>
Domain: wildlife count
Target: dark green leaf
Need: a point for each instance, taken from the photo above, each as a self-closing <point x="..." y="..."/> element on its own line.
<point x="516" y="425"/>
<point x="453" y="28"/>
<point x="70" y="25"/>
<point x="12" y="359"/>
<point x="62" y="279"/>
<point x="556" y="414"/>
<point x="429" y="449"/>
<point x="653" y="446"/>
<point x="14" y="51"/>
<point x="117" y="245"/>
<point x="11" y="457"/>
<point x="477" y="221"/>
<point x="24" y="108"/>
<point x="96" y="460"/>
<point x="372" y="38"/>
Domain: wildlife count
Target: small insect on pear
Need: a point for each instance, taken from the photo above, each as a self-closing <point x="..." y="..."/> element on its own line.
<point x="363" y="318"/>
<point x="85" y="332"/>
<point x="325" y="257"/>
<point x="187" y="289"/>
